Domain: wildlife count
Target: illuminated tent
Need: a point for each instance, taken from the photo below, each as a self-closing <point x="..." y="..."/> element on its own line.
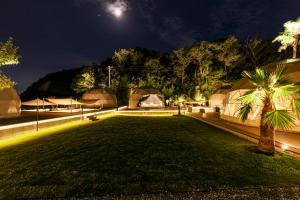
<point x="10" y="103"/>
<point x="64" y="102"/>
<point x="146" y="96"/>
<point x="99" y="97"/>
<point x="217" y="99"/>
<point x="232" y="105"/>
<point x="37" y="102"/>
<point x="152" y="101"/>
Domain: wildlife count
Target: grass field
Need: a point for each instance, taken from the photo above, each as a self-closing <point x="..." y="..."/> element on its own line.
<point x="135" y="155"/>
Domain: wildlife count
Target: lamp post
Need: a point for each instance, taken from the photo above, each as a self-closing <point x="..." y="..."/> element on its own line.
<point x="37" y="114"/>
<point x="109" y="69"/>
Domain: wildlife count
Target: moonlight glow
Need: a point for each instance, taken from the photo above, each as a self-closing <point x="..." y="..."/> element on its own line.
<point x="117" y="12"/>
<point x="117" y="8"/>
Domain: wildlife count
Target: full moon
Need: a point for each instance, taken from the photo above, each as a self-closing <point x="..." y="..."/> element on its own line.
<point x="117" y="8"/>
<point x="117" y="12"/>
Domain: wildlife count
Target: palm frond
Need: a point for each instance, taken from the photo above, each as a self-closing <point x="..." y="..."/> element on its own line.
<point x="261" y="74"/>
<point x="246" y="74"/>
<point x="280" y="71"/>
<point x="254" y="96"/>
<point x="244" y="111"/>
<point x="296" y="106"/>
<point x="280" y="118"/>
<point x="285" y="90"/>
<point x="285" y="39"/>
<point x="257" y="78"/>
<point x="282" y="82"/>
<point x="262" y="77"/>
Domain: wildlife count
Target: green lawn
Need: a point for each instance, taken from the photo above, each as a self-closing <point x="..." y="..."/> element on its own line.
<point x="134" y="155"/>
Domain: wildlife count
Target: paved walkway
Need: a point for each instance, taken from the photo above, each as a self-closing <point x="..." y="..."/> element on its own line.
<point x="251" y="133"/>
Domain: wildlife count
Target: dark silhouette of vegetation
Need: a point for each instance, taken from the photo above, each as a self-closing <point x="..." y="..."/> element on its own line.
<point x="56" y="84"/>
<point x="193" y="72"/>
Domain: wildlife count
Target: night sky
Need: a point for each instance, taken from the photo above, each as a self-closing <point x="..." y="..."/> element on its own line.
<point x="63" y="34"/>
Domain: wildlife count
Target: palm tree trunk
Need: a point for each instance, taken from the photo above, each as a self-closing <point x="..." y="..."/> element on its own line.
<point x="295" y="45"/>
<point x="267" y="132"/>
<point x="294" y="51"/>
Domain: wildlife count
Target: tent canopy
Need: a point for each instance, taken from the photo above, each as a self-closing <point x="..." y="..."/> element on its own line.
<point x="99" y="97"/>
<point x="139" y="95"/>
<point x="90" y="102"/>
<point x="65" y="102"/>
<point x="152" y="100"/>
<point x="37" y="102"/>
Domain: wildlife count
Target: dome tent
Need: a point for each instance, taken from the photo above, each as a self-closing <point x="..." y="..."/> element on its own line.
<point x="232" y="105"/>
<point x="146" y="98"/>
<point x="217" y="99"/>
<point x="99" y="97"/>
<point x="10" y="103"/>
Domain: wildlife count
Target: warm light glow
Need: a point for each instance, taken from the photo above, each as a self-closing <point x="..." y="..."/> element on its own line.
<point x="59" y="119"/>
<point x="147" y="111"/>
<point x="33" y="135"/>
<point x="284" y="147"/>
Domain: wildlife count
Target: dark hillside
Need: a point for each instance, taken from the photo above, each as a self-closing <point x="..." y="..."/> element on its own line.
<point x="56" y="84"/>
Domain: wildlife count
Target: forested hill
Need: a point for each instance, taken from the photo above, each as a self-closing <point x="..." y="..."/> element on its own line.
<point x="193" y="72"/>
<point x="56" y="84"/>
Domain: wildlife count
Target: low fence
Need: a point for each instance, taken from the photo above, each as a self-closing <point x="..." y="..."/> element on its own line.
<point x="16" y="129"/>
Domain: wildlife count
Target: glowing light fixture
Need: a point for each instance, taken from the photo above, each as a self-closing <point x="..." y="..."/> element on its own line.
<point x="284" y="147"/>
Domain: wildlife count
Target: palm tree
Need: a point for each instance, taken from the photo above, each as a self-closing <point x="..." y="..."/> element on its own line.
<point x="269" y="88"/>
<point x="290" y="36"/>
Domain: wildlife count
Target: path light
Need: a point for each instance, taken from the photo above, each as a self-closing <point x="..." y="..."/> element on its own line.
<point x="284" y="147"/>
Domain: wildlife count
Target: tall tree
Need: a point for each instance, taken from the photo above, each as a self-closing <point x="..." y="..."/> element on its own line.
<point x="290" y="36"/>
<point x="181" y="61"/>
<point x="269" y="87"/>
<point x="85" y="80"/>
<point x="8" y="56"/>
<point x="260" y="53"/>
<point x="5" y="82"/>
<point x="153" y="66"/>
<point x="228" y="53"/>
<point x="130" y="61"/>
<point x="202" y="56"/>
<point x="8" y="53"/>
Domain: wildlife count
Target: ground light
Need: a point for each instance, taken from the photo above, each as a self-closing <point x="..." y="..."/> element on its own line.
<point x="284" y="147"/>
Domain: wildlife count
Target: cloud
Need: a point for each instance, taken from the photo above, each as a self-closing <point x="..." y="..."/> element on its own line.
<point x="170" y="29"/>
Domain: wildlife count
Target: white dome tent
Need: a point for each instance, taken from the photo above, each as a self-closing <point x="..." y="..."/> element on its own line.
<point x="152" y="101"/>
<point x="146" y="98"/>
